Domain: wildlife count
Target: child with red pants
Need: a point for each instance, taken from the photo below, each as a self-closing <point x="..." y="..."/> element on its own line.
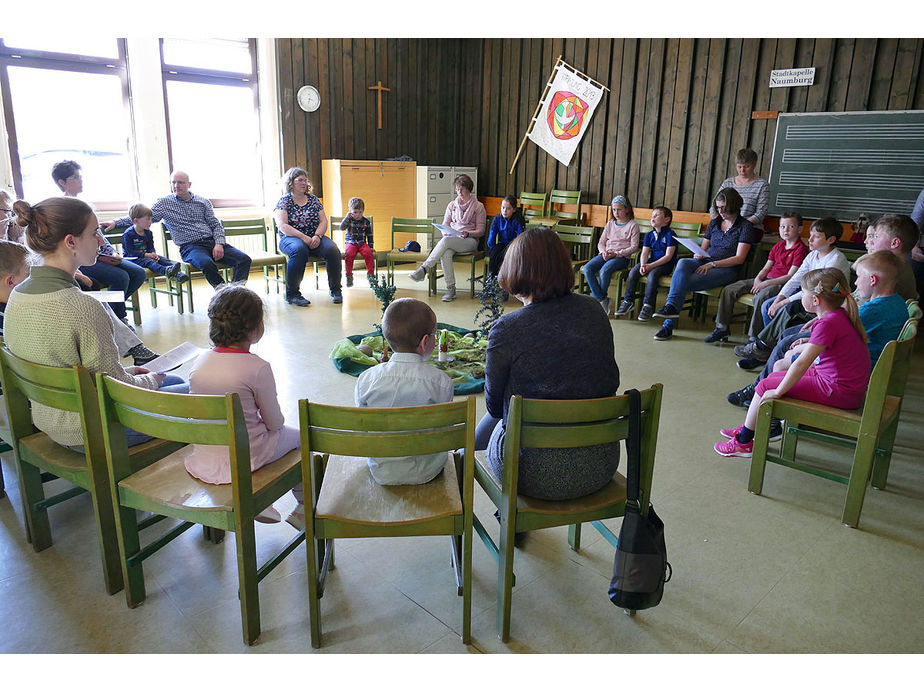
<point x="833" y="367"/>
<point x="358" y="238"/>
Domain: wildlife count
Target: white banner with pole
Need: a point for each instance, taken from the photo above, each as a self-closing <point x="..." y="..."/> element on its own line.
<point x="564" y="115"/>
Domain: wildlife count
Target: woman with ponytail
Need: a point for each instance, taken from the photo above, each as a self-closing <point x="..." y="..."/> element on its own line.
<point x="833" y="366"/>
<point x="50" y="321"/>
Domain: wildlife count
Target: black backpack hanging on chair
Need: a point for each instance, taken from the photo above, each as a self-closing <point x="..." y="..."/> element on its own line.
<point x="640" y="568"/>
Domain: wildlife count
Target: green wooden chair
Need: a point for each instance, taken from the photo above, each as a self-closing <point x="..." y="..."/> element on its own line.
<point x="40" y="459"/>
<point x="187" y="269"/>
<point x="533" y="205"/>
<point x="343" y="500"/>
<point x="535" y="423"/>
<point x="272" y="262"/>
<point x="166" y="488"/>
<point x="171" y="287"/>
<point x="869" y="431"/>
<point x="555" y="215"/>
<point x="407" y="230"/>
<point x="914" y="310"/>
<point x="580" y="243"/>
<point x="6" y="443"/>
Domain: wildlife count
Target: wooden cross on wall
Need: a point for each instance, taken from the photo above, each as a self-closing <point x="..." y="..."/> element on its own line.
<point x="379" y="88"/>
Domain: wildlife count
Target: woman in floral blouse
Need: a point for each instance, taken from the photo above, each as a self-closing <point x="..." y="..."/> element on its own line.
<point x="302" y="226"/>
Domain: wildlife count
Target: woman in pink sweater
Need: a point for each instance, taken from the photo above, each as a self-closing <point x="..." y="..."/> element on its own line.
<point x="618" y="243"/>
<point x="235" y="323"/>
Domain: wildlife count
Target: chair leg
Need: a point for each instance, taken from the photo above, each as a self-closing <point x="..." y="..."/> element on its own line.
<point x="247" y="580"/>
<point x="314" y="597"/>
<point x="883" y="457"/>
<point x="759" y="455"/>
<point x="38" y="529"/>
<point x="104" y="516"/>
<point x="574" y="536"/>
<point x="153" y="294"/>
<point x="505" y="576"/>
<point x="129" y="545"/>
<point x="859" y="478"/>
<point x="136" y="310"/>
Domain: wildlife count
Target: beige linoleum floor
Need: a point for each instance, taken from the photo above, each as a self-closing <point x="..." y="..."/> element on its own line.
<point x="752" y="574"/>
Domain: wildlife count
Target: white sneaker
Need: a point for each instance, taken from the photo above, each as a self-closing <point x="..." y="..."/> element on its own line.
<point x="418" y="274"/>
<point x="296" y="518"/>
<point x="450" y="294"/>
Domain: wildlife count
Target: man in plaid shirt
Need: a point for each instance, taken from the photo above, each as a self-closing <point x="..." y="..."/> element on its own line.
<point x="196" y="231"/>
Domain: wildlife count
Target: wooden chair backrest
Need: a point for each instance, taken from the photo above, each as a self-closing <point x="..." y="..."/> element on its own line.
<point x="246" y="227"/>
<point x="889" y="377"/>
<point x="409" y="229"/>
<point x="535" y="423"/>
<point x="914" y="310"/>
<point x="532" y="204"/>
<point x="565" y="197"/>
<point x="578" y="239"/>
<point x="202" y="419"/>
<point x="69" y="389"/>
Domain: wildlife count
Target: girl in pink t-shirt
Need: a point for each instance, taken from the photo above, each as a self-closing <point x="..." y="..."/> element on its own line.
<point x="833" y="367"/>
<point x="235" y="323"/>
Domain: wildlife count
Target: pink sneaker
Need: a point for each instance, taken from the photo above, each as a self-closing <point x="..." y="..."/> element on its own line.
<point x="732" y="448"/>
<point x="730" y="432"/>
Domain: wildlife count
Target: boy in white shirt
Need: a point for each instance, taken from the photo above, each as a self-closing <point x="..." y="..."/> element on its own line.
<point x="406" y="380"/>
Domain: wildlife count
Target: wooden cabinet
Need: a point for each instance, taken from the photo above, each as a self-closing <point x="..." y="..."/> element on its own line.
<point x="388" y="189"/>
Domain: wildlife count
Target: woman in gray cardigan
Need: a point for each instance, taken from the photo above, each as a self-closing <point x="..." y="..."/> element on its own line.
<point x="559" y="346"/>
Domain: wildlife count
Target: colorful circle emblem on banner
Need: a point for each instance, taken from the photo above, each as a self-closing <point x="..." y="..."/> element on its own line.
<point x="566" y="115"/>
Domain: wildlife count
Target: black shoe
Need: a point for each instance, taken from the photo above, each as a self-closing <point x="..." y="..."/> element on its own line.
<point x="750" y="364"/>
<point x="173" y="270"/>
<point x="776" y="430"/>
<point x="336" y="297"/>
<point x="742" y="397"/>
<point x="668" y="311"/>
<point x="664" y="334"/>
<point x="719" y="334"/>
<point x="349" y="280"/>
<point x="298" y="300"/>
<point x="141" y="354"/>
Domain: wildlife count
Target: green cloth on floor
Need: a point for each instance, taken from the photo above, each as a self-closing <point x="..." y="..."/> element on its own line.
<point x="466" y="369"/>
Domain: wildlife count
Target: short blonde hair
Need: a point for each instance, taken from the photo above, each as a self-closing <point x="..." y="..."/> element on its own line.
<point x="406" y="322"/>
<point x="883" y="263"/>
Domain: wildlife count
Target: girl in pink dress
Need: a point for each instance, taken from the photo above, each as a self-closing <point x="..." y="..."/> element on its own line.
<point x="833" y="367"/>
<point x="235" y="323"/>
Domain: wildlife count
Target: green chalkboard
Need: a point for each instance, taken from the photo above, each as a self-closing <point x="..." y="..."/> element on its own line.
<point x="842" y="164"/>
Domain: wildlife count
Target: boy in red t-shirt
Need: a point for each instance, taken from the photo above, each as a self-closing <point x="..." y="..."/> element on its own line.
<point x="785" y="258"/>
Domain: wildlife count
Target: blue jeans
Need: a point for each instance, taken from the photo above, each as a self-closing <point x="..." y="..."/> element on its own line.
<point x="651" y="282"/>
<point x="156" y="266"/>
<point x="685" y="279"/>
<point x="126" y="277"/>
<point x="199" y="254"/>
<point x="299" y="253"/>
<point x="606" y="268"/>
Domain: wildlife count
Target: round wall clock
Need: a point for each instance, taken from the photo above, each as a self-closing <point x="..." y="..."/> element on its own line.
<point x="308" y="98"/>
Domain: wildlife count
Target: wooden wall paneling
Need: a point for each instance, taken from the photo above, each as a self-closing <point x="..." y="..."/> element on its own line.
<point x="404" y="104"/>
<point x="487" y="73"/>
<point x="503" y="112"/>
<point x="744" y="98"/>
<point x="323" y="114"/>
<point x="348" y="144"/>
<point x="286" y="100"/>
<point x="593" y="187"/>
<point x="361" y="97"/>
<point x="551" y="163"/>
<point x="861" y="74"/>
<point x="531" y="100"/>
<point x="300" y="144"/>
<point x="823" y="59"/>
<point x="474" y="96"/>
<point x="620" y="180"/>
<point x="570" y="176"/>
<point x="798" y="96"/>
<point x="650" y="155"/>
<point x="334" y="111"/>
<point x="386" y="62"/>
<point x="522" y="95"/>
<point x="639" y="123"/>
<point x="708" y="136"/>
<point x="917" y="101"/>
<point x="694" y="122"/>
<point x="611" y="139"/>
<point x="415" y="107"/>
<point x="434" y="84"/>
<point x="881" y="86"/>
<point x="312" y="158"/>
<point x="785" y="58"/>
<point x="519" y="64"/>
<point x="840" y="75"/>
<point x="678" y="125"/>
<point x="659" y="170"/>
<point x="723" y="160"/>
<point x="902" y="97"/>
<point x="368" y="76"/>
<point x="757" y="135"/>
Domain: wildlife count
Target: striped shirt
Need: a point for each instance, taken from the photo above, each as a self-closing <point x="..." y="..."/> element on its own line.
<point x="190" y="221"/>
